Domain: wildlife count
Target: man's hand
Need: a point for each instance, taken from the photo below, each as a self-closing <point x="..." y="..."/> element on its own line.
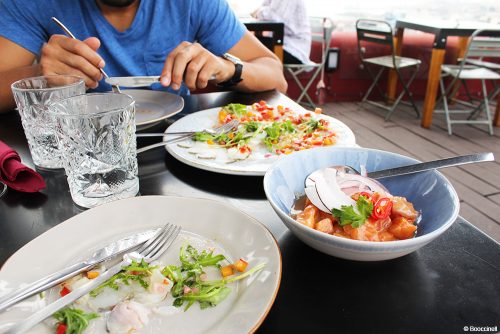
<point x="64" y="55"/>
<point x="195" y="65"/>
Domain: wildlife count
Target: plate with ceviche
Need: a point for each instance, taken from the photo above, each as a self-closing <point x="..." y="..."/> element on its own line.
<point x="221" y="274"/>
<point x="263" y="135"/>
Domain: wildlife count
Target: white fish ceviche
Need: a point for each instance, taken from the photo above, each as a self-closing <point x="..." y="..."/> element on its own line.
<point x="264" y="131"/>
<point x="128" y="301"/>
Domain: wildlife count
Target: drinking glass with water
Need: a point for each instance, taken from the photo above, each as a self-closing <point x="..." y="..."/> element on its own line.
<point x="96" y="134"/>
<point x="33" y="95"/>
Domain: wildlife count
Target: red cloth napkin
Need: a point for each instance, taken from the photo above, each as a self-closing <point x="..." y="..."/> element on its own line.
<point x="16" y="175"/>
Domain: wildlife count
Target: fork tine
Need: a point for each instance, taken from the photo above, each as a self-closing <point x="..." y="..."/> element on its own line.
<point x="166" y="244"/>
<point x="159" y="240"/>
<point x="153" y="239"/>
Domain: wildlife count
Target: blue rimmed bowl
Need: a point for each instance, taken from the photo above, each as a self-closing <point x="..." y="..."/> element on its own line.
<point x="430" y="192"/>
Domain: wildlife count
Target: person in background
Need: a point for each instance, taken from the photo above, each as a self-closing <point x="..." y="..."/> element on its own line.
<point x="297" y="39"/>
<point x="186" y="42"/>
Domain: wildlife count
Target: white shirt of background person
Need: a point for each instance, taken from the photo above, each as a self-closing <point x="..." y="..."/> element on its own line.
<point x="293" y="13"/>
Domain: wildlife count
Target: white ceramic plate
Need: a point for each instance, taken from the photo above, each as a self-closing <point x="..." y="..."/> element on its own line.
<point x="152" y="106"/>
<point x="252" y="166"/>
<point x="232" y="230"/>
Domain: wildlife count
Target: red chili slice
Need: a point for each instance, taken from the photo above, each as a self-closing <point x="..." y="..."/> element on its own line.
<point x="61" y="328"/>
<point x="365" y="194"/>
<point x="382" y="208"/>
<point x="64" y="291"/>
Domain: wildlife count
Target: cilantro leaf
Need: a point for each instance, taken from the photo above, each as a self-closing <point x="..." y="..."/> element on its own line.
<point x="347" y="215"/>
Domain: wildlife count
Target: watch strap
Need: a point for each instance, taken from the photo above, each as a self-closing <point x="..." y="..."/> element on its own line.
<point x="236" y="78"/>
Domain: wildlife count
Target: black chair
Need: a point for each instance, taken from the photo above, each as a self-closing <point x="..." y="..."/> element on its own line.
<point x="373" y="33"/>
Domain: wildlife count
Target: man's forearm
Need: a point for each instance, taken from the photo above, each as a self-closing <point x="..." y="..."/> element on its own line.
<point x="7" y="78"/>
<point x="262" y="74"/>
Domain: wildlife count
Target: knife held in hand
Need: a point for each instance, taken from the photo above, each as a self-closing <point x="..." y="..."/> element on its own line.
<point x="106" y="253"/>
<point x="136" y="81"/>
<point x="133" y="81"/>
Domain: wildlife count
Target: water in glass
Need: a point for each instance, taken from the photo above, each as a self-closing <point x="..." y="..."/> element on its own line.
<point x="32" y="96"/>
<point x="96" y="133"/>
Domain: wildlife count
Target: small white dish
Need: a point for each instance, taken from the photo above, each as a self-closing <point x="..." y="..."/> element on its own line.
<point x="152" y="106"/>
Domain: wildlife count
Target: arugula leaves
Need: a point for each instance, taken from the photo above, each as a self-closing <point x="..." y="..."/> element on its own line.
<point x="347" y="215"/>
<point x="136" y="271"/>
<point x="188" y="275"/>
<point x="76" y="320"/>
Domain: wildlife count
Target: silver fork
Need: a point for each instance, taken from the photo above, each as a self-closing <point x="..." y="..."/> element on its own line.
<point x="150" y="251"/>
<point x="115" y="88"/>
<point x="224" y="128"/>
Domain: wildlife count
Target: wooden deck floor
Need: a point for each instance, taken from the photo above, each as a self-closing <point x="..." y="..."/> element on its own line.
<point x="477" y="185"/>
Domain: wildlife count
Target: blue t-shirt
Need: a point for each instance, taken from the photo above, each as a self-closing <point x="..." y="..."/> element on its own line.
<point x="158" y="27"/>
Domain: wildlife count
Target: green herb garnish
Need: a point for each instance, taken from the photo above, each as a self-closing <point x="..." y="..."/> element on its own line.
<point x="237" y="109"/>
<point x="76" y="320"/>
<point x="136" y="271"/>
<point x="252" y="126"/>
<point x="187" y="276"/>
<point x="347" y="215"/>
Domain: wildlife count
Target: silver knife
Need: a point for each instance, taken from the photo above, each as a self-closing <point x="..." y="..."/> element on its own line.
<point x="139" y="81"/>
<point x="75" y="294"/>
<point x="143" y="81"/>
<point x="116" y="248"/>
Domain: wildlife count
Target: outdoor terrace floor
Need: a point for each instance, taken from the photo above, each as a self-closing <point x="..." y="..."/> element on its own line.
<point x="477" y="185"/>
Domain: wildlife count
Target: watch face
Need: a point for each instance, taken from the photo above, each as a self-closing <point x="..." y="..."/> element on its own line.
<point x="231" y="58"/>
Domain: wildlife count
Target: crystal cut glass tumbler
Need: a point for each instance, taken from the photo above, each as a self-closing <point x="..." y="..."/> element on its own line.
<point x="96" y="134"/>
<point x="33" y="95"/>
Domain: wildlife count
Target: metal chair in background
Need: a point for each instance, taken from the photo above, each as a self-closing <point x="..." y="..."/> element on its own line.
<point x="374" y="33"/>
<point x="321" y="30"/>
<point x="472" y="67"/>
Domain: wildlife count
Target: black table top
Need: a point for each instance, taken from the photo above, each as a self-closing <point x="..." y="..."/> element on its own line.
<point x="443" y="287"/>
<point x="444" y="28"/>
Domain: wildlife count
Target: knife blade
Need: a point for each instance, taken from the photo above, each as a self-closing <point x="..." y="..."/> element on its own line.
<point x="55" y="306"/>
<point x="137" y="81"/>
<point x="113" y="249"/>
<point x="143" y="81"/>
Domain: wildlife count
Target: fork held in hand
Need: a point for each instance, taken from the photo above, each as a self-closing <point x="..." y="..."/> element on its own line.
<point x="115" y="88"/>
<point x="224" y="128"/>
<point x="150" y="251"/>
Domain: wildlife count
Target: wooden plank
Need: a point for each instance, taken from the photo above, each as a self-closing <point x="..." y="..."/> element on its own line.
<point x="479" y="220"/>
<point x="495" y="198"/>
<point x="398" y="140"/>
<point x="489" y="173"/>
<point x="478" y="202"/>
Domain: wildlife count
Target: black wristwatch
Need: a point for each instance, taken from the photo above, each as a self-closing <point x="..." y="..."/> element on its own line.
<point x="238" y="68"/>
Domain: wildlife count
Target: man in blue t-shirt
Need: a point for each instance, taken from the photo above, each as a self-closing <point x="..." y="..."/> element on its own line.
<point x="185" y="42"/>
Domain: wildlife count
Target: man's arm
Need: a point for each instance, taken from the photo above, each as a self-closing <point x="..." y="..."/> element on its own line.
<point x="262" y="69"/>
<point x="17" y="63"/>
<point x="61" y="55"/>
<point x="194" y="64"/>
